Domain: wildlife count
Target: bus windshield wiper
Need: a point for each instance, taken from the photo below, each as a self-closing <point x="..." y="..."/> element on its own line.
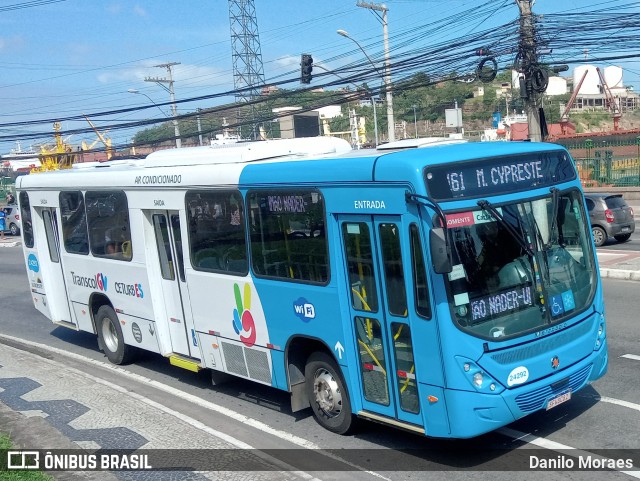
<point x="555" y="195"/>
<point x="486" y="206"/>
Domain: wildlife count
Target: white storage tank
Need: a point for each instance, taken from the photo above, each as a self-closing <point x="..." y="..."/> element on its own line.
<point x="515" y="79"/>
<point x="557" y="86"/>
<point x="613" y="77"/>
<point x="591" y="83"/>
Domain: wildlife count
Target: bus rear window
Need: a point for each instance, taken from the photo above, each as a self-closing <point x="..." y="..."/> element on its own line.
<point x="27" y="226"/>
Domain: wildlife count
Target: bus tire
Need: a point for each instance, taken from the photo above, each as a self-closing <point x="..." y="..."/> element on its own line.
<point x="110" y="337"/>
<point x="327" y="394"/>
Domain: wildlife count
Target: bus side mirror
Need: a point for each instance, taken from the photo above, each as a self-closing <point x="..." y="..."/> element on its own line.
<point x="440" y="255"/>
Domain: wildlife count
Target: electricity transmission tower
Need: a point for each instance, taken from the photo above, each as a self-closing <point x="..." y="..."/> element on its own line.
<point x="248" y="72"/>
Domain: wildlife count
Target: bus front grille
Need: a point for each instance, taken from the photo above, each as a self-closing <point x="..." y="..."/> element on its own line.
<point x="547" y="344"/>
<point x="534" y="400"/>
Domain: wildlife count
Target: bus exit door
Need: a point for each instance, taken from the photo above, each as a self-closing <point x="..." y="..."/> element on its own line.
<point x="377" y="261"/>
<point x="168" y="240"/>
<point x="54" y="307"/>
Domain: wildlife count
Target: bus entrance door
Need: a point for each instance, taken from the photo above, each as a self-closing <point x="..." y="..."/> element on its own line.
<point x="55" y="307"/>
<point x="376" y="253"/>
<point x="168" y="239"/>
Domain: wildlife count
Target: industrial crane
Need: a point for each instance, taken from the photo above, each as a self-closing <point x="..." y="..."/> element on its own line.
<point x="611" y="101"/>
<point x="564" y="118"/>
<point x="105" y="141"/>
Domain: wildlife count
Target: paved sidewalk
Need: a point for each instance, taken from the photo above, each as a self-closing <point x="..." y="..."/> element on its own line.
<point x="619" y="264"/>
<point x="47" y="405"/>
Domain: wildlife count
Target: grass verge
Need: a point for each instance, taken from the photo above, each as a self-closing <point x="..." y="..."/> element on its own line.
<point x="5" y="444"/>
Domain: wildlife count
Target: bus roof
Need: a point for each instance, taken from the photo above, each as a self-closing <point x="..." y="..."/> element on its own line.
<point x="317" y="159"/>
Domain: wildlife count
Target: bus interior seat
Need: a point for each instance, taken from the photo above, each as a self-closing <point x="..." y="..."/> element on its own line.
<point x="126" y="249"/>
<point x="207" y="258"/>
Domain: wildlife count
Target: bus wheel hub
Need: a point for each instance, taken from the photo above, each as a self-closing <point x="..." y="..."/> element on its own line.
<point x="327" y="393"/>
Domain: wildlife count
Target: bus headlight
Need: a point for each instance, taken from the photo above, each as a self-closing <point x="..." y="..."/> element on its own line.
<point x="478" y="377"/>
<point x="601" y="334"/>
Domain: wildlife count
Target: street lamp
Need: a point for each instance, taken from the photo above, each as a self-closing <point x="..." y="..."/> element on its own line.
<point x="136" y="91"/>
<point x="391" y="132"/>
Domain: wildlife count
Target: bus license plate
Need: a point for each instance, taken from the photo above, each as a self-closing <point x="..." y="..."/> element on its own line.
<point x="553" y="402"/>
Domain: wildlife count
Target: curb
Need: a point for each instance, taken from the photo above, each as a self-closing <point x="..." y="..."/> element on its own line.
<point x="620" y="274"/>
<point x="9" y="243"/>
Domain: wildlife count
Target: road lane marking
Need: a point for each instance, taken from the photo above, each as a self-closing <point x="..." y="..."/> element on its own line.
<point x="555" y="446"/>
<point x="631" y="356"/>
<point x="292" y="438"/>
<point x="620" y="402"/>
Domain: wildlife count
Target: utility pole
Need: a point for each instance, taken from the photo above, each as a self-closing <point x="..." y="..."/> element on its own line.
<point x="529" y="67"/>
<point x="391" y="125"/>
<point x="199" y="128"/>
<point x="161" y="82"/>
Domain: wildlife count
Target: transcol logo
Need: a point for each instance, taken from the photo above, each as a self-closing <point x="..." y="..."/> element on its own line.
<point x="99" y="281"/>
<point x="304" y="309"/>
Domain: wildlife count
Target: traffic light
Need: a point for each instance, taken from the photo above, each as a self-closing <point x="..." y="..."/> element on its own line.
<point x="306" y="67"/>
<point x="483" y="52"/>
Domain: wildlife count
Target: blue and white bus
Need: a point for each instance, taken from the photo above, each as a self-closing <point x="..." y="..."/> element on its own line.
<point x="441" y="287"/>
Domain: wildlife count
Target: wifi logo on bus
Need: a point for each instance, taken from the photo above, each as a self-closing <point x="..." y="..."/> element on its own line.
<point x="243" y="322"/>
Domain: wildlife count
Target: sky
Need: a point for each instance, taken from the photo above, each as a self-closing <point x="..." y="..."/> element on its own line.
<point x="62" y="58"/>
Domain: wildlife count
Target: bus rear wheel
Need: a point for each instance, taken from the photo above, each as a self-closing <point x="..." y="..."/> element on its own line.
<point x="110" y="337"/>
<point x="327" y="394"/>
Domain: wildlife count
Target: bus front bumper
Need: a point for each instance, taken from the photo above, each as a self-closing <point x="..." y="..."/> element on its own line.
<point x="472" y="413"/>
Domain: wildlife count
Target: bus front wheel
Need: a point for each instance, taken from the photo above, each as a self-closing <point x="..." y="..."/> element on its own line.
<point x="327" y="394"/>
<point x="110" y="337"/>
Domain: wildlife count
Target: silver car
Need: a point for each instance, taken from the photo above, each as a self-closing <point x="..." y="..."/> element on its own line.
<point x="12" y="220"/>
<point x="610" y="216"/>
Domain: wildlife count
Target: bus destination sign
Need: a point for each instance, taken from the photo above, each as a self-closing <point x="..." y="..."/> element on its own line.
<point x="499" y="175"/>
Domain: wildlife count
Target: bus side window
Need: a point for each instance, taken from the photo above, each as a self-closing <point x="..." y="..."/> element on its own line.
<point x="393" y="270"/>
<point x="420" y="285"/>
<point x="357" y="240"/>
<point x="288" y="239"/>
<point x="217" y="240"/>
<point x="108" y="223"/>
<point x="74" y="223"/>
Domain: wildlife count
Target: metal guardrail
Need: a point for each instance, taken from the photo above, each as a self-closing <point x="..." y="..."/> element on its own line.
<point x="7" y="185"/>
<point x="606" y="172"/>
<point x="610" y="162"/>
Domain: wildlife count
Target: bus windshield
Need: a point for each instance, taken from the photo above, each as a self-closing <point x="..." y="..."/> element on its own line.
<point x="520" y="267"/>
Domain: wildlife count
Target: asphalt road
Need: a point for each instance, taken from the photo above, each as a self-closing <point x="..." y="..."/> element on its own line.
<point x="605" y="415"/>
<point x="633" y="244"/>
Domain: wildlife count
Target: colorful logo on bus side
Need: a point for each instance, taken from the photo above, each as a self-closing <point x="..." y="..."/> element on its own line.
<point x="99" y="281"/>
<point x="133" y="290"/>
<point x="33" y="263"/>
<point x="304" y="310"/>
<point x="243" y="322"/>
